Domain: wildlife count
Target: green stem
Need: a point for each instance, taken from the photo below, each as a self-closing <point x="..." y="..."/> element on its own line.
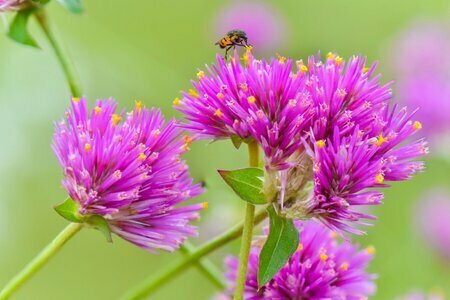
<point x="253" y="155"/>
<point x="61" y="56"/>
<point x="39" y="261"/>
<point x="206" y="267"/>
<point x="153" y="283"/>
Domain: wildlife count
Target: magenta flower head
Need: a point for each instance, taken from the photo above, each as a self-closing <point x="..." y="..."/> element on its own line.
<point x="422" y="69"/>
<point x="321" y="268"/>
<point x="126" y="168"/>
<point x="433" y="216"/>
<point x="329" y="132"/>
<point x="12" y="5"/>
<point x="263" y="23"/>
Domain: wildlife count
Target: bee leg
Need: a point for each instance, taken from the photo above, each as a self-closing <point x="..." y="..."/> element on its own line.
<point x="226" y="51"/>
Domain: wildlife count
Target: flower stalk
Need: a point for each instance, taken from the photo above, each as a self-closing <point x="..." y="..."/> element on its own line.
<point x="253" y="154"/>
<point x="150" y="285"/>
<point x="40" y="260"/>
<point x="63" y="59"/>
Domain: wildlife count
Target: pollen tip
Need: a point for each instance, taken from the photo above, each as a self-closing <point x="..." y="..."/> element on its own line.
<point x="379" y="178"/>
<point x="142" y="156"/>
<point x="320" y="144"/>
<point x="176" y="101"/>
<point x="87" y="147"/>
<point x="97" y="110"/>
<point x="138" y="105"/>
<point x="193" y="93"/>
<point x="417" y="125"/>
<point x="323" y="257"/>
<point x="300" y="247"/>
<point x="75" y="99"/>
<point x="344" y="266"/>
<point x="115" y="119"/>
<point x="200" y="74"/>
<point x="251" y="99"/>
<point x="370" y="250"/>
<point x="205" y="205"/>
<point x="218" y="113"/>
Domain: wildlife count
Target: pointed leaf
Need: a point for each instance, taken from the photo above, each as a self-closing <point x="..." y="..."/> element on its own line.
<point x="281" y="243"/>
<point x="237" y="141"/>
<point x="18" y="29"/>
<point x="99" y="223"/>
<point x="74" y="6"/>
<point x="246" y="183"/>
<point x="69" y="211"/>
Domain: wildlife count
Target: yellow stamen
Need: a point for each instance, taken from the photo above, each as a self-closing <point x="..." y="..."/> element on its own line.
<point x="249" y="48"/>
<point x="251" y="99"/>
<point x="115" y="119"/>
<point x="87" y="147"/>
<point x="379" y="178"/>
<point x="218" y="113"/>
<point x="370" y="250"/>
<point x="281" y="59"/>
<point x="176" y="101"/>
<point x="205" y="205"/>
<point x="417" y="125"/>
<point x="243" y="86"/>
<point x="200" y="74"/>
<point x="97" y="110"/>
<point x="323" y="257"/>
<point x="138" y="105"/>
<point x="333" y="234"/>
<point x="292" y="102"/>
<point x="330" y="55"/>
<point x="246" y="58"/>
<point x="380" y="140"/>
<point x="365" y="69"/>
<point x="338" y="60"/>
<point x="220" y="96"/>
<point x="75" y="99"/>
<point x="344" y="266"/>
<point x="320" y="144"/>
<point x="187" y="140"/>
<point x="300" y="247"/>
<point x="193" y="93"/>
<point x="142" y="156"/>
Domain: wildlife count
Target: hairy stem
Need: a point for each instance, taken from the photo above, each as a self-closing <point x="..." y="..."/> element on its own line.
<point x="40" y="260"/>
<point x="63" y="59"/>
<point x="253" y="155"/>
<point x="151" y="284"/>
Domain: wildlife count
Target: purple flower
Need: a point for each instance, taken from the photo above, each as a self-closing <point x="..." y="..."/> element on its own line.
<point x="422" y="68"/>
<point x="321" y="268"/>
<point x="433" y="215"/>
<point x="128" y="171"/>
<point x="11" y="5"/>
<point x="264" y="25"/>
<point x="330" y="135"/>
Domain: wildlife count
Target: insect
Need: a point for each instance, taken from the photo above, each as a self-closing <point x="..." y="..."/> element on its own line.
<point x="232" y="39"/>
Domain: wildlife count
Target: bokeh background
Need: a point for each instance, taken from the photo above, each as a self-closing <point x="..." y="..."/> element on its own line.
<point x="150" y="50"/>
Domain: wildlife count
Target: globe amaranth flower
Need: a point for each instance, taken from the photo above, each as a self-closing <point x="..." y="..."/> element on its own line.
<point x="264" y="24"/>
<point x="329" y="132"/>
<point x="433" y="217"/>
<point x="12" y="5"/>
<point x="422" y="68"/>
<point x="321" y="268"/>
<point x="126" y="167"/>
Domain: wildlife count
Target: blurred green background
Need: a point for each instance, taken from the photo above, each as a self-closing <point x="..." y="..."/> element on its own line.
<point x="150" y="50"/>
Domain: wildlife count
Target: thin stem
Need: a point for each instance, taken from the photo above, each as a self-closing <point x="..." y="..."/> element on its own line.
<point x="206" y="267"/>
<point x="63" y="59"/>
<point x="151" y="284"/>
<point x="40" y="260"/>
<point x="253" y="157"/>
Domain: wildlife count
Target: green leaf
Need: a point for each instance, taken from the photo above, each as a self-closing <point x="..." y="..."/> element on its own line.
<point x="99" y="223"/>
<point x="74" y="6"/>
<point x="18" y="29"/>
<point x="281" y="243"/>
<point x="69" y="211"/>
<point x="237" y="141"/>
<point x="246" y="183"/>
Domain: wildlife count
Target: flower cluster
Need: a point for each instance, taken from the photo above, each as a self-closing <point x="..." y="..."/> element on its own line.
<point x="327" y="124"/>
<point x="321" y="268"/>
<point x="421" y="65"/>
<point x="128" y="171"/>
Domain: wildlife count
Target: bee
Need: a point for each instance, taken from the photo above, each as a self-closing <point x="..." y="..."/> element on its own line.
<point x="232" y="39"/>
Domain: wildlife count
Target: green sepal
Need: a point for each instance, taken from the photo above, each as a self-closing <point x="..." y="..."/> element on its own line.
<point x="69" y="211"/>
<point x="246" y="183"/>
<point x="99" y="223"/>
<point x="237" y="141"/>
<point x="18" y="30"/>
<point x="281" y="244"/>
<point x="73" y="6"/>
